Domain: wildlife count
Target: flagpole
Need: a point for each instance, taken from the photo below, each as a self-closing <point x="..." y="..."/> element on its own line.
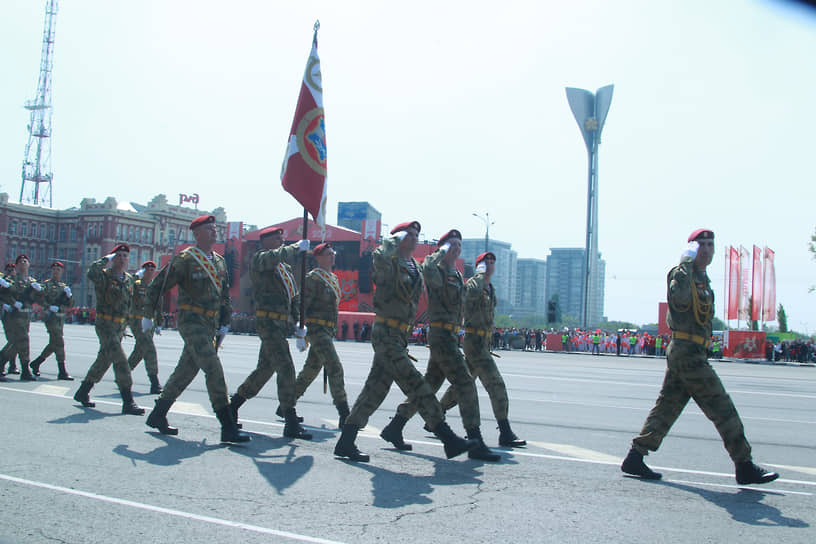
<point x="303" y="268"/>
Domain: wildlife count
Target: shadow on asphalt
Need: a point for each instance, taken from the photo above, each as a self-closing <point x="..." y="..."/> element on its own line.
<point x="281" y="470"/>
<point x="171" y="453"/>
<point x="85" y="416"/>
<point x="744" y="506"/>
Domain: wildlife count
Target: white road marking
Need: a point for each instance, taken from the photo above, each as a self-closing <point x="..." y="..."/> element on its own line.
<point x="57" y="390"/>
<point x="806" y="470"/>
<point x="169" y="511"/>
<point x="575" y="451"/>
<point x="190" y="408"/>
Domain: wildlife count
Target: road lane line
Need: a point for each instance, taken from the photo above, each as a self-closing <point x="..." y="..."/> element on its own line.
<point x="57" y="390"/>
<point x="806" y="470"/>
<point x="191" y="408"/>
<point x="575" y="451"/>
<point x="727" y="486"/>
<point x="169" y="511"/>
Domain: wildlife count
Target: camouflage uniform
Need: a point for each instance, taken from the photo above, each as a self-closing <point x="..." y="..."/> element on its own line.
<point x="204" y="307"/>
<point x="321" y="311"/>
<point x="113" y="298"/>
<point x="445" y="296"/>
<point x="273" y="310"/>
<point x="399" y="285"/>
<point x="688" y="373"/>
<point x="17" y="322"/>
<point x="144" y="348"/>
<point x="54" y="295"/>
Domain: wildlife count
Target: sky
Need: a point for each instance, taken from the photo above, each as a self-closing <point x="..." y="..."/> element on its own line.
<point x="438" y="110"/>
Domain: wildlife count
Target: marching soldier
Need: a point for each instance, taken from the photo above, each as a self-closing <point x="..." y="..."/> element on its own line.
<point x="144" y="348"/>
<point x="322" y="296"/>
<point x="6" y="277"/>
<point x="18" y="293"/>
<point x="205" y="311"/>
<point x="275" y="292"/>
<point x="399" y="285"/>
<point x="57" y="297"/>
<point x="689" y="374"/>
<point x="445" y="287"/>
<point x="114" y="291"/>
<point x="480" y="306"/>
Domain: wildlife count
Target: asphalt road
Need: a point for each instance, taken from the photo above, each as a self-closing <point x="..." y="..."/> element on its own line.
<point x="75" y="475"/>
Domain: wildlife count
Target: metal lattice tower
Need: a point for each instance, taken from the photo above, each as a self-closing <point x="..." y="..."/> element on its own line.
<point x="37" y="160"/>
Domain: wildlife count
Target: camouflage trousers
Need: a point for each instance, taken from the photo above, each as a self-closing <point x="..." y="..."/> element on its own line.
<point x="446" y="361"/>
<point x="110" y="352"/>
<point x="391" y="364"/>
<point x="144" y="349"/>
<point x="56" y="342"/>
<point x="322" y="355"/>
<point x="689" y="375"/>
<point x="482" y="366"/>
<point x="273" y="357"/>
<point x="17" y="336"/>
<point x="198" y="354"/>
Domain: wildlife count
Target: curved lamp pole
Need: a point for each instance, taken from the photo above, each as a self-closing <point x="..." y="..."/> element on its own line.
<point x="487" y="222"/>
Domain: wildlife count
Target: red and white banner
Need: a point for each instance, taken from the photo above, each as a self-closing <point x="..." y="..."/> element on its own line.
<point x="235" y="230"/>
<point x="756" y="285"/>
<point x="769" y="291"/>
<point x="304" y="168"/>
<point x="370" y="229"/>
<point x="745" y="283"/>
<point x="733" y="283"/>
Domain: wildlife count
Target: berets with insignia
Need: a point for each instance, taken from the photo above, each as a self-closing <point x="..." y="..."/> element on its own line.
<point x="269" y="231"/>
<point x="701" y="234"/>
<point x="203" y="220"/>
<point x="453" y="233"/>
<point x="147" y="264"/>
<point x="405" y="226"/>
<point x="58" y="265"/>
<point x="320" y="248"/>
<point x="121" y="247"/>
<point x="484" y="256"/>
<point x="20" y="257"/>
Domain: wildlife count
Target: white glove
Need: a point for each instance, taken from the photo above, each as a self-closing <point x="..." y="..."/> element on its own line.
<point x="303" y="245"/>
<point x="18" y="305"/>
<point x="140" y="273"/>
<point x="223" y="330"/>
<point x="147" y="324"/>
<point x="301" y="344"/>
<point x="54" y="309"/>
<point x="300" y="332"/>
<point x="6" y="308"/>
<point x="158" y="330"/>
<point x="4" y="284"/>
<point x="691" y="250"/>
<point x="110" y="257"/>
<point x="401" y="235"/>
<point x="444" y="247"/>
<point x="68" y="291"/>
<point x="36" y="286"/>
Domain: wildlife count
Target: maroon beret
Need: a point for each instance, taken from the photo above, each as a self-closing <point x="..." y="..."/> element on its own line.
<point x="121" y="247"/>
<point x="320" y="248"/>
<point x="10" y="266"/>
<point x="21" y="256"/>
<point x="203" y="220"/>
<point x="405" y="226"/>
<point x="453" y="233"/>
<point x="58" y="264"/>
<point x="484" y="256"/>
<point x="269" y="231"/>
<point x="701" y="234"/>
<point x="148" y="263"/>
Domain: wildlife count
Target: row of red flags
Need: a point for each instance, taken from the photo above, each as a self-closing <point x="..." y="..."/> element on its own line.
<point x="750" y="276"/>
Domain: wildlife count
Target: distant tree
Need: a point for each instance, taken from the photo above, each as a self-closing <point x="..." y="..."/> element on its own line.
<point x="782" y="319"/>
<point x="752" y="325"/>
<point x="717" y="324"/>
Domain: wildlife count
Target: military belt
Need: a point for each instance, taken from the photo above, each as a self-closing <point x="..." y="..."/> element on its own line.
<point x="479" y="332"/>
<point x="25" y="310"/>
<point x="134" y="316"/>
<point x="442" y="325"/>
<point x="272" y="315"/>
<point x="115" y="319"/>
<point x="323" y="322"/>
<point x="198" y="310"/>
<point x="393" y="323"/>
<point x="679" y="335"/>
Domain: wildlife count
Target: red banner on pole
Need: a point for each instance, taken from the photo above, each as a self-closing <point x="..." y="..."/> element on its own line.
<point x="756" y="285"/>
<point x="745" y="283"/>
<point x="733" y="283"/>
<point x="304" y="168"/>
<point x="769" y="291"/>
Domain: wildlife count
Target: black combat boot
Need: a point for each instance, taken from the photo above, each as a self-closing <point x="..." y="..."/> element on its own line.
<point x="26" y="375"/>
<point x="236" y="401"/>
<point x="13" y="367"/>
<point x="347" y="448"/>
<point x="292" y="428"/>
<point x="158" y="417"/>
<point x="229" y="432"/>
<point x="128" y="405"/>
<point x="81" y="396"/>
<point x="507" y="437"/>
<point x="749" y="473"/>
<point x="633" y="464"/>
<point x="454" y="445"/>
<point x="393" y="433"/>
<point x="481" y="452"/>
<point x="155" y="386"/>
<point x="35" y="365"/>
<point x="63" y="374"/>
<point x="280" y="414"/>
<point x="343" y="412"/>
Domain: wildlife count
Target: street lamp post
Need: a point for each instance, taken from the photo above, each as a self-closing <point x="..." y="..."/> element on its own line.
<point x="487" y="222"/>
<point x="590" y="112"/>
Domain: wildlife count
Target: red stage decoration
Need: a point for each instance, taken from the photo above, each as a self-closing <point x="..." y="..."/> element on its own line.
<point x="348" y="289"/>
<point x="733" y="283"/>
<point x="769" y="291"/>
<point x="756" y="285"/>
<point x="745" y="283"/>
